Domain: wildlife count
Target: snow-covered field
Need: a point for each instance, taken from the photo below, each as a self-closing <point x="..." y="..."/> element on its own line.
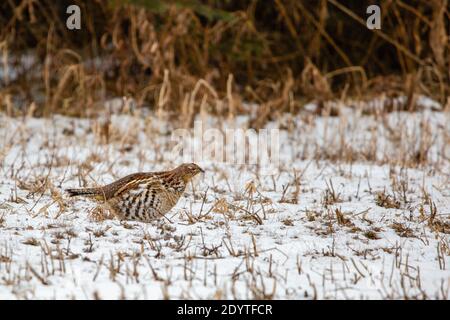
<point x="359" y="207"/>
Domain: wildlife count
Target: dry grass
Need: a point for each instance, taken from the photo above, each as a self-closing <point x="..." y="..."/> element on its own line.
<point x="386" y="201"/>
<point x="189" y="57"/>
<point x="358" y="206"/>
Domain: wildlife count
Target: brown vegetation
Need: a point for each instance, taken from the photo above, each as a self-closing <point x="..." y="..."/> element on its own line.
<point x="211" y="55"/>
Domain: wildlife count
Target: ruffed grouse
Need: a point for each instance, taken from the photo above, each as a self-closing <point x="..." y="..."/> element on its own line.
<point x="143" y="196"/>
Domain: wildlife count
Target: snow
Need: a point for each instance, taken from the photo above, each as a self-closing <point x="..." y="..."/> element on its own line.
<point x="236" y="233"/>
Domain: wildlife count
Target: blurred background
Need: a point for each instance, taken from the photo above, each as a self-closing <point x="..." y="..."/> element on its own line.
<point x="174" y="55"/>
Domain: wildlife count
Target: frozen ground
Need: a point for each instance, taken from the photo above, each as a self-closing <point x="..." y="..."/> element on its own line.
<point x="359" y="207"/>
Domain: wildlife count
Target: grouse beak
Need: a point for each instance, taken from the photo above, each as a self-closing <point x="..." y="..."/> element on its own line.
<point x="201" y="170"/>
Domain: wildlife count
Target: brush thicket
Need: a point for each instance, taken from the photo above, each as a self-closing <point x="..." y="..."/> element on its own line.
<point x="181" y="56"/>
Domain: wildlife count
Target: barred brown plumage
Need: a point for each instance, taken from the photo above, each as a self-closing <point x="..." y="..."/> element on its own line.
<point x="143" y="196"/>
